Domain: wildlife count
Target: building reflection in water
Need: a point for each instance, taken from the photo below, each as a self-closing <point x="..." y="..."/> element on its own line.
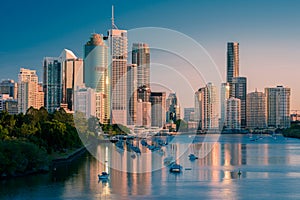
<point x="218" y="163"/>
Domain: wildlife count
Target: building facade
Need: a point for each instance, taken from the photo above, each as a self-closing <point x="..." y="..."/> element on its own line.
<point x="97" y="71"/>
<point x="173" y="112"/>
<point x="27" y="90"/>
<point x="72" y="76"/>
<point x="158" y="109"/>
<point x="9" y="87"/>
<point x="233" y="113"/>
<point x="206" y="110"/>
<point x="132" y="94"/>
<point x="239" y="90"/>
<point x="188" y="114"/>
<point x="256" y="110"/>
<point x="141" y="57"/>
<point x="118" y="52"/>
<point x="232" y="60"/>
<point x="225" y="89"/>
<point x="278" y="107"/>
<point x="52" y="84"/>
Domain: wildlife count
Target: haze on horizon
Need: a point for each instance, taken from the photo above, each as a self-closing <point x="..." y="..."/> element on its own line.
<point x="268" y="33"/>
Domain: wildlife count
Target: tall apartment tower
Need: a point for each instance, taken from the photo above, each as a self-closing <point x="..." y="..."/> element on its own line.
<point x="141" y="57"/>
<point x="72" y="76"/>
<point x="97" y="71"/>
<point x="232" y="60"/>
<point x="118" y="51"/>
<point x="9" y="87"/>
<point x="233" y="113"/>
<point x="256" y="110"/>
<point x="27" y="90"/>
<point x="132" y="94"/>
<point x="225" y="88"/>
<point x="52" y="83"/>
<point x="239" y="90"/>
<point x="206" y="107"/>
<point x="158" y="109"/>
<point x="278" y="107"/>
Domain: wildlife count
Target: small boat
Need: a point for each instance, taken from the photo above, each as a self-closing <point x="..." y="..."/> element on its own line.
<point x="175" y="168"/>
<point x="193" y="157"/>
<point x="104" y="175"/>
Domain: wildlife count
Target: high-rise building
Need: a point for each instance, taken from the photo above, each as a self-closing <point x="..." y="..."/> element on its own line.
<point x="233" y="113"/>
<point x="8" y="104"/>
<point x="141" y="57"/>
<point x="206" y="107"/>
<point x="232" y="60"/>
<point x="118" y="52"/>
<point x="72" y="76"/>
<point x="52" y="83"/>
<point x="27" y="90"/>
<point x="143" y="114"/>
<point x="89" y="102"/>
<point x="225" y="88"/>
<point x="158" y="109"/>
<point x="132" y="94"/>
<point x="97" y="71"/>
<point x="40" y="96"/>
<point x="239" y="90"/>
<point x="173" y="112"/>
<point x="188" y="114"/>
<point x="278" y="107"/>
<point x="9" y="87"/>
<point x="256" y="110"/>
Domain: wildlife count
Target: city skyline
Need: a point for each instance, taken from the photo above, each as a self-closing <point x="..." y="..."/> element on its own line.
<point x="267" y="46"/>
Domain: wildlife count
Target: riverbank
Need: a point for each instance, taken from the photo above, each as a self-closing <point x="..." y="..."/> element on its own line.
<point x="67" y="157"/>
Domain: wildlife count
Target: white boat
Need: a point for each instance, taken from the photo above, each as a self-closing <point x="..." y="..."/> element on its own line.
<point x="175" y="168"/>
<point x="104" y="175"/>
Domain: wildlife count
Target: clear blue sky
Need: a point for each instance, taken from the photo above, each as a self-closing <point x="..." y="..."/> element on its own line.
<point x="268" y="32"/>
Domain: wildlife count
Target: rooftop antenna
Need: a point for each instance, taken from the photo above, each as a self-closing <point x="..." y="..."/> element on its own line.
<point x="113" y="26"/>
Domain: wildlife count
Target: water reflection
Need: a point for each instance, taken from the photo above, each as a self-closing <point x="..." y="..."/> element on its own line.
<point x="264" y="163"/>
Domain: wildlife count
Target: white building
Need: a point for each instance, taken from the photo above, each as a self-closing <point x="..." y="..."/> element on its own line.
<point x="233" y="113"/>
<point x="206" y="107"/>
<point x="278" y="107"/>
<point x="89" y="102"/>
<point x="118" y="52"/>
<point x="256" y="110"/>
<point x="225" y="91"/>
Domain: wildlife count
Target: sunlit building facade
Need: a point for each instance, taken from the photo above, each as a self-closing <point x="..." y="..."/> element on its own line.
<point x="97" y="71"/>
<point x="158" y="109"/>
<point x="233" y="113"/>
<point x="278" y="107"/>
<point x="256" y="110"/>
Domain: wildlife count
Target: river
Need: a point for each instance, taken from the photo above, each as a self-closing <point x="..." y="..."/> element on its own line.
<point x="269" y="166"/>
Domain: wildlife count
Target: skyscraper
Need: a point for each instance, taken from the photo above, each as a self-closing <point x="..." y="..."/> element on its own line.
<point x="132" y="94"/>
<point x="233" y="113"/>
<point x="9" y="87"/>
<point x="141" y="57"/>
<point x="173" y="112"/>
<point x="256" y="110"/>
<point x="97" y="70"/>
<point x="72" y="75"/>
<point x="278" y="107"/>
<point x="188" y="112"/>
<point x="206" y="107"/>
<point x="27" y="90"/>
<point x="239" y="90"/>
<point x="158" y="109"/>
<point x="225" y="88"/>
<point x="52" y="84"/>
<point x="144" y="114"/>
<point x="232" y="60"/>
<point x="118" y="52"/>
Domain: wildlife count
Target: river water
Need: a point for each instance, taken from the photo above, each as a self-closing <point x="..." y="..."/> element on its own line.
<point x="269" y="166"/>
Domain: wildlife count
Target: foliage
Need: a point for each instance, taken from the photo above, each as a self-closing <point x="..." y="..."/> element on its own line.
<point x="18" y="157"/>
<point x="293" y="131"/>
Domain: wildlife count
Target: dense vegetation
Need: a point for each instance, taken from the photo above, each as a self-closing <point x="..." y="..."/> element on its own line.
<point x="293" y="131"/>
<point x="26" y="140"/>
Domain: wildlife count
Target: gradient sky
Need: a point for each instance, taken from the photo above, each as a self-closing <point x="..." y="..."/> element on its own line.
<point x="268" y="33"/>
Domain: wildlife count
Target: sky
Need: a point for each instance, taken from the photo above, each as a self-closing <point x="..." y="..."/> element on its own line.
<point x="268" y="33"/>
